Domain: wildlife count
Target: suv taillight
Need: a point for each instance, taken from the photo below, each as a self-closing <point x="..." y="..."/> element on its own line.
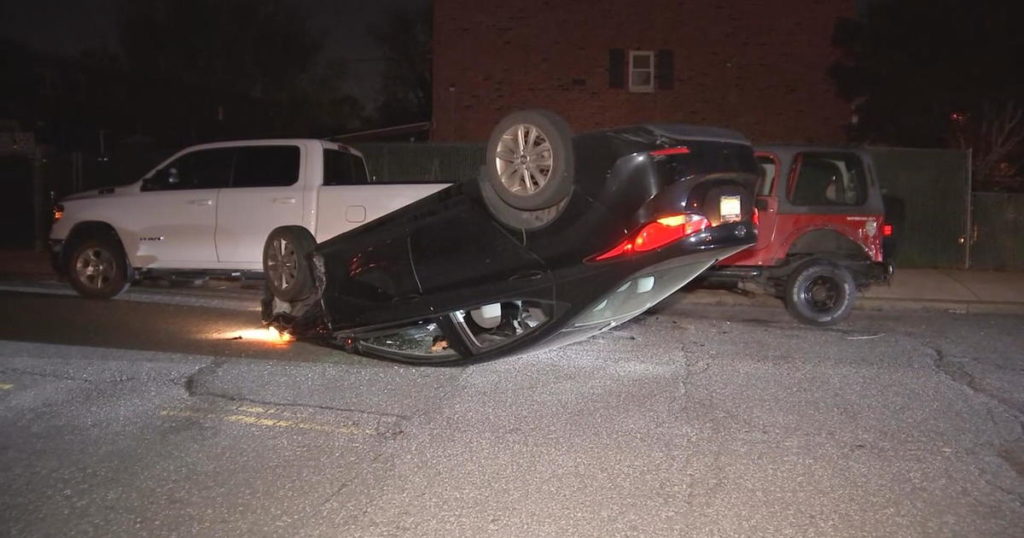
<point x="657" y="234"/>
<point x="886" y="229"/>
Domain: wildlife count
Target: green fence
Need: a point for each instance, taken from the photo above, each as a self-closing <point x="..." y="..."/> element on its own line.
<point x="422" y="163"/>
<point x="998" y="231"/>
<point x="934" y="186"/>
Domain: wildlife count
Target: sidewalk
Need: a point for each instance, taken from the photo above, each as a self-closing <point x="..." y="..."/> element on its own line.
<point x="970" y="291"/>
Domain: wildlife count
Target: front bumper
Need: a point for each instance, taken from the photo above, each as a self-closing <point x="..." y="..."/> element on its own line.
<point x="57" y="259"/>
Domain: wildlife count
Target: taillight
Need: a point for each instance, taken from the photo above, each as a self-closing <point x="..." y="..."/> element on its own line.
<point x="58" y="212"/>
<point x="657" y="234"/>
<point x="756" y="218"/>
<point x="678" y="150"/>
<point x="886" y="230"/>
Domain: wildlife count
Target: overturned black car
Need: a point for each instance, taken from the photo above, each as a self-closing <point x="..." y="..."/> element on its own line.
<point x="561" y="237"/>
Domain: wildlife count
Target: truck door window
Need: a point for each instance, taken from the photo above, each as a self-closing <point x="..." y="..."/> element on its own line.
<point x="343" y="168"/>
<point x="829" y="179"/>
<point x="266" y="166"/>
<point x="202" y="169"/>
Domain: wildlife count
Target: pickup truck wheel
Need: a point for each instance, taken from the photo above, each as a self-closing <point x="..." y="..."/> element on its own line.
<point x="820" y="293"/>
<point x="98" y="268"/>
<point x="530" y="163"/>
<point x="286" y="263"/>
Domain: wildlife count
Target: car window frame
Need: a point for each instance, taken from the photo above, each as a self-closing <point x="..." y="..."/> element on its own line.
<point x="152" y="184"/>
<point x="798" y="162"/>
<point x="240" y="150"/>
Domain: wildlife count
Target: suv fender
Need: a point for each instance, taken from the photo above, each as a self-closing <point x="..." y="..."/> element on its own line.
<point x="826" y="242"/>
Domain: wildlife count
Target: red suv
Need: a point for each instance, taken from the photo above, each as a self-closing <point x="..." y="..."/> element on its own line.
<point x="822" y="232"/>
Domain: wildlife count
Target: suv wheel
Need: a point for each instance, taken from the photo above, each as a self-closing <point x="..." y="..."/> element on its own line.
<point x="98" y="268"/>
<point x="286" y="263"/>
<point x="820" y="293"/>
<point x="530" y="163"/>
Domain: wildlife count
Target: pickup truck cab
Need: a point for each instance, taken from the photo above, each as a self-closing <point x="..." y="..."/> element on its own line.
<point x="211" y="209"/>
<point x="822" y="232"/>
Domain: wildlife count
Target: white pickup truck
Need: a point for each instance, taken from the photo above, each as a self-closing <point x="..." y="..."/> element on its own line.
<point x="222" y="208"/>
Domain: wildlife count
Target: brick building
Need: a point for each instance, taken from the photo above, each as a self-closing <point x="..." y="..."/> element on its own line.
<point x="758" y="66"/>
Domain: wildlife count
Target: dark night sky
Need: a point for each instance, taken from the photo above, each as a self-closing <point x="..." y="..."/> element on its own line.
<point x="69" y="26"/>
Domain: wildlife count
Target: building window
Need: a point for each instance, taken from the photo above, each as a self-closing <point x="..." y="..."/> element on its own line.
<point x="641" y="71"/>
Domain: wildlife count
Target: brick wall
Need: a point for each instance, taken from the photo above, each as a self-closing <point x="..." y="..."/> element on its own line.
<point x="757" y="66"/>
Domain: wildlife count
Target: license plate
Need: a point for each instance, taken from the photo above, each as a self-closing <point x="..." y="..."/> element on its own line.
<point x="729" y="208"/>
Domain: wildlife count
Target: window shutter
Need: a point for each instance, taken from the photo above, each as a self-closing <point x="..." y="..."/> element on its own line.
<point x="664" y="70"/>
<point x="617" y="68"/>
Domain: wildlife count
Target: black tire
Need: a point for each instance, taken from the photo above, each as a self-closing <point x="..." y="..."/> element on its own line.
<point x="98" y="267"/>
<point x="820" y="293"/>
<point x="530" y="163"/>
<point x="286" y="263"/>
<point x="519" y="219"/>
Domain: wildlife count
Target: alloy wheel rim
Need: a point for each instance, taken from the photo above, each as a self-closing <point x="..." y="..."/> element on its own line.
<point x="282" y="263"/>
<point x="524" y="159"/>
<point x="95" y="268"/>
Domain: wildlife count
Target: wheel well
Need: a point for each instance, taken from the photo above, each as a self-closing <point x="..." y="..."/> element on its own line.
<point x="828" y="244"/>
<point x="84" y="230"/>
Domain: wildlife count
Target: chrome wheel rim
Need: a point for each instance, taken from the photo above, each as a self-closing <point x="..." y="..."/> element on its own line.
<point x="282" y="263"/>
<point x="524" y="159"/>
<point x="95" y="268"/>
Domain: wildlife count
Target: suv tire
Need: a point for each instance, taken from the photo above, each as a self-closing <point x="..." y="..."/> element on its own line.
<point x="286" y="263"/>
<point x="530" y="163"/>
<point x="98" y="268"/>
<point x="820" y="293"/>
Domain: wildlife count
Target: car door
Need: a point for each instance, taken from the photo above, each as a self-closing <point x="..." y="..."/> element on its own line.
<point x="175" y="215"/>
<point x="264" y="194"/>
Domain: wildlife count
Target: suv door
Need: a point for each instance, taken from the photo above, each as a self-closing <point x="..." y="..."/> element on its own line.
<point x="262" y="196"/>
<point x="176" y="213"/>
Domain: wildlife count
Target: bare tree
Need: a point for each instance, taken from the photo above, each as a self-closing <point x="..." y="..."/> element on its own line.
<point x="996" y="140"/>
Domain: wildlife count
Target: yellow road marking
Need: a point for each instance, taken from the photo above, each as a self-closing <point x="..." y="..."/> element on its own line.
<point x="6" y="386"/>
<point x="269" y="422"/>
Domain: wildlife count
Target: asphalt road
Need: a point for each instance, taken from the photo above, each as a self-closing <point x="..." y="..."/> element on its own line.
<point x="125" y="418"/>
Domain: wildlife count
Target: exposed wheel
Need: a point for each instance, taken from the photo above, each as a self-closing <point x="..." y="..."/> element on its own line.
<point x="286" y="263"/>
<point x="820" y="293"/>
<point x="519" y="219"/>
<point x="98" y="268"/>
<point x="530" y="163"/>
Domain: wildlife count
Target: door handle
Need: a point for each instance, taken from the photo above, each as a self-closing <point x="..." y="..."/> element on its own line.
<point x="201" y="202"/>
<point x="288" y="200"/>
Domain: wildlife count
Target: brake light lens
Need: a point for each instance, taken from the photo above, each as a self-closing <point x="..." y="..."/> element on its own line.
<point x="58" y="212"/>
<point x="657" y="234"/>
<point x="678" y="150"/>
<point x="886" y="230"/>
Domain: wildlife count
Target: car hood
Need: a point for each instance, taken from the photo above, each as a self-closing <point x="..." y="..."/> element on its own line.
<point x="93" y="193"/>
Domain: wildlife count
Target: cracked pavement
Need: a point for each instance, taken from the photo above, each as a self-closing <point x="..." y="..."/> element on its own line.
<point x="706" y="421"/>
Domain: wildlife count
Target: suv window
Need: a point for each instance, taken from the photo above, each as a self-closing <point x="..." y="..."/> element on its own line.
<point x="343" y="168"/>
<point x="266" y="166"/>
<point x="829" y="179"/>
<point x="769" y="169"/>
<point x="202" y="169"/>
